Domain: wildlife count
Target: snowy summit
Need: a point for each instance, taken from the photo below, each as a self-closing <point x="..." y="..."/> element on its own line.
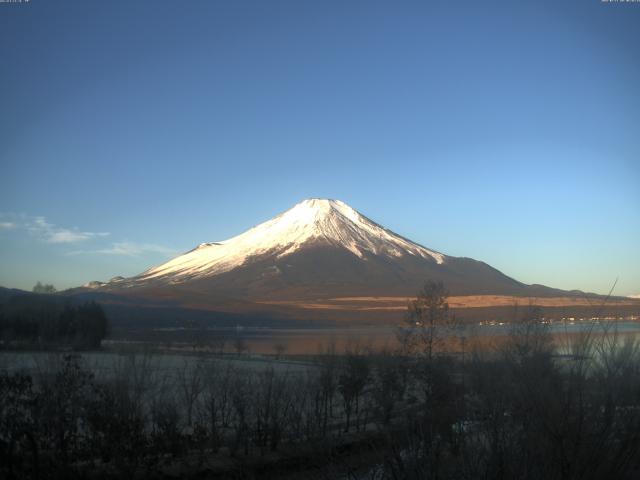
<point x="309" y="222"/>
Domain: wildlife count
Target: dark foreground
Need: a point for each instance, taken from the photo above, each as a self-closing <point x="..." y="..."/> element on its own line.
<point x="522" y="411"/>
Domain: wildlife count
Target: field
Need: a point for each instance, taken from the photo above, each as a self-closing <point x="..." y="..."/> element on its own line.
<point x="461" y="301"/>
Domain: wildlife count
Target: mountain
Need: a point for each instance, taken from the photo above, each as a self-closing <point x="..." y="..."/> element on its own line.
<point x="6" y="293"/>
<point x="318" y="249"/>
<point x="309" y="224"/>
<point x="321" y="260"/>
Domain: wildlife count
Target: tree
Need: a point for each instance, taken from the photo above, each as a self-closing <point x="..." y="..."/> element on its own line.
<point x="117" y="427"/>
<point x="62" y="408"/>
<point x="388" y="384"/>
<point x="351" y="383"/>
<point x="216" y="405"/>
<point x="239" y="344"/>
<point x="190" y="382"/>
<point x="53" y="319"/>
<point x="18" y="431"/>
<point x="279" y="348"/>
<point x="427" y="322"/>
<point x="529" y="337"/>
<point x="327" y="382"/>
<point x="46" y="288"/>
<point x="91" y="324"/>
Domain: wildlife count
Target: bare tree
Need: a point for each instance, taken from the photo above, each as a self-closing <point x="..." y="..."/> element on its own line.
<point x="241" y="389"/>
<point x="190" y="384"/>
<point x="529" y="336"/>
<point x="428" y="321"/>
<point x="215" y="401"/>
<point x="351" y="383"/>
<point x="388" y="384"/>
<point x="117" y="426"/>
<point x="327" y="381"/>
<point x="218" y="343"/>
<point x="239" y="344"/>
<point x="279" y="348"/>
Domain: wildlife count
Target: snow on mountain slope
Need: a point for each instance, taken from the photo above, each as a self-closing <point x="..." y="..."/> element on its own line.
<point x="314" y="220"/>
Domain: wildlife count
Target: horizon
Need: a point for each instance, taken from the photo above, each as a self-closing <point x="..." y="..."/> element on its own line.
<point x="505" y="133"/>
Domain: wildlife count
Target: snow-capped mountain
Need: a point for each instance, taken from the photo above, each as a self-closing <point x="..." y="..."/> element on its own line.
<point x="311" y="222"/>
<point x="320" y="248"/>
<point x="320" y="260"/>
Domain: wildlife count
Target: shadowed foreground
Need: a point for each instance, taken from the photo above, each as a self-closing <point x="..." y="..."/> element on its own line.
<point x="522" y="411"/>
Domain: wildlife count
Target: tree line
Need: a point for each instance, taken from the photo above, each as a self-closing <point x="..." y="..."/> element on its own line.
<point x="50" y="320"/>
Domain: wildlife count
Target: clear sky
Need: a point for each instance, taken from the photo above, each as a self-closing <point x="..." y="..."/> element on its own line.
<point x="506" y="131"/>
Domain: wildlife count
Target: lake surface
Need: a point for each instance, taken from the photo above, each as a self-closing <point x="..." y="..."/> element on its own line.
<point x="260" y="345"/>
<point x="311" y="341"/>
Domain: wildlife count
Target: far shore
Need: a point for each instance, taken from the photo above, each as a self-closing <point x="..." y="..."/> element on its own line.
<point x="459" y="301"/>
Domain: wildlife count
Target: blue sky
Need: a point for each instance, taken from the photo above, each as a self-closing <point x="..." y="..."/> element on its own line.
<point x="504" y="131"/>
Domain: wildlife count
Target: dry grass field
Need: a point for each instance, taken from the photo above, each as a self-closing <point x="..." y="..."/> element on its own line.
<point x="464" y="301"/>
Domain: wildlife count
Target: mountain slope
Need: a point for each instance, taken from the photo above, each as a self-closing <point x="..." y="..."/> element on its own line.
<point x="311" y="222"/>
<point x="318" y="249"/>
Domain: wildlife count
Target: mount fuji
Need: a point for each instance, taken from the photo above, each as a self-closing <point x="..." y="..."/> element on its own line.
<point x="313" y="255"/>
